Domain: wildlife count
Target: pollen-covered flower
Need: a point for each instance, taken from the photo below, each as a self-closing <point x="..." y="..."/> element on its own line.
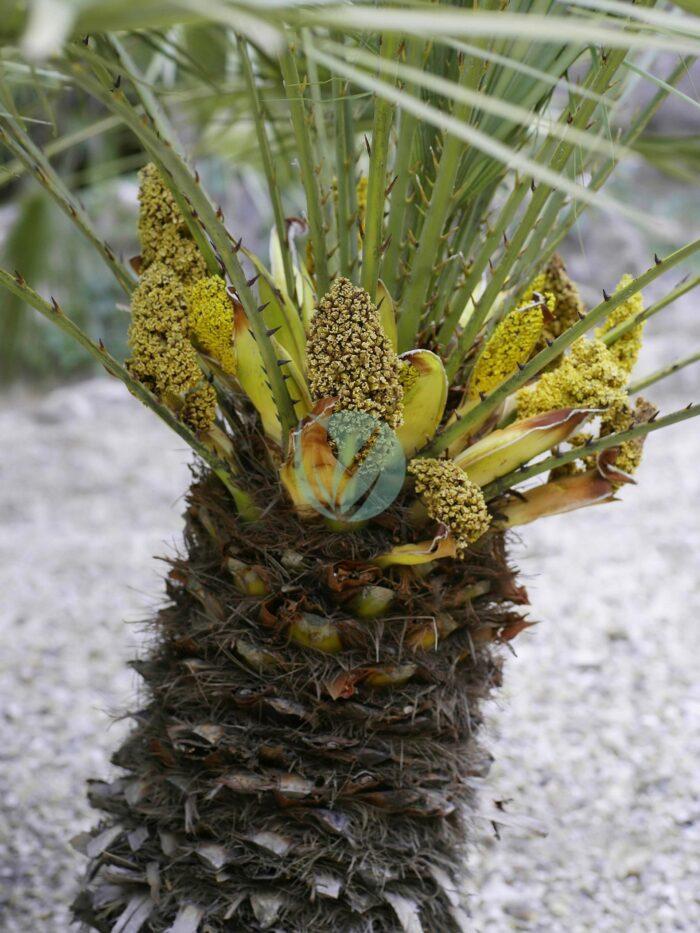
<point x="567" y="307"/>
<point x="589" y="377"/>
<point x="350" y="358"/>
<point x="452" y="499"/>
<point x="211" y="320"/>
<point x="163" y="233"/>
<point x="621" y="418"/>
<point x="626" y="348"/>
<point x="162" y="356"/>
<point x="510" y="346"/>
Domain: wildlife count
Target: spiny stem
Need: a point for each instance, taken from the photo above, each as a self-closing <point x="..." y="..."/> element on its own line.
<point x="636" y="128"/>
<point x="598" y="80"/>
<point x="376" y="180"/>
<point x="554" y="349"/>
<point x="413" y="300"/>
<point x="623" y="327"/>
<point x="603" y="443"/>
<point x="408" y="124"/>
<point x="660" y="374"/>
<point x="54" y="313"/>
<point x="324" y="168"/>
<point x="268" y="167"/>
<point x="345" y="174"/>
<point x="309" y="178"/>
<point x="14" y="169"/>
<point x="35" y="161"/>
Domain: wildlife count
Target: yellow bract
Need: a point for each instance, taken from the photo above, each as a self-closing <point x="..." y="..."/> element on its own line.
<point x="424" y="398"/>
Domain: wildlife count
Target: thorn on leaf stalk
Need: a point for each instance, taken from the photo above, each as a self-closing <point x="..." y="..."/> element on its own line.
<point x="580" y="315"/>
<point x="261" y="308"/>
<point x="689" y="406"/>
<point x="100" y="344"/>
<point x="86" y="40"/>
<point x="518" y="494"/>
<point x="653" y="417"/>
<point x="367" y="146"/>
<point x="271" y="331"/>
<point x="458" y="415"/>
<point x="588" y="442"/>
<point x="482" y="396"/>
<point x="387" y="190"/>
<point x="532" y="185"/>
<point x="237" y="245"/>
<point x="548" y="341"/>
<point x="569" y="118"/>
<point x="19" y="278"/>
<point x="522" y="468"/>
<point x="55" y="305"/>
<point x="196" y="177"/>
<point x="385" y="245"/>
<point x="606" y="297"/>
<point x="283" y="362"/>
<point x="219" y="212"/>
<point x="117" y="83"/>
<point x="657" y="260"/>
<point x="250" y="282"/>
<point x="521" y="366"/>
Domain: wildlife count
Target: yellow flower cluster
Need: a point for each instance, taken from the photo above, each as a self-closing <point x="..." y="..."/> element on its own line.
<point x="567" y="304"/>
<point x="162" y="356"/>
<point x="621" y="418"/>
<point x="163" y="233"/>
<point x="510" y="345"/>
<point x="211" y="320"/>
<point x="451" y="498"/>
<point x="589" y="377"/>
<point x="626" y="348"/>
<point x="349" y="356"/>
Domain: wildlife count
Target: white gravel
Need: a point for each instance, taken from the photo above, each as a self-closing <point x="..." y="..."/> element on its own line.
<point x="597" y="734"/>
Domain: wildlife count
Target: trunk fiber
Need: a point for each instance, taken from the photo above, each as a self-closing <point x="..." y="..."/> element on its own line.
<point x="269" y="785"/>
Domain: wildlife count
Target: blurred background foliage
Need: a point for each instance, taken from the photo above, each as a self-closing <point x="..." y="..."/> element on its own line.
<point x="194" y="67"/>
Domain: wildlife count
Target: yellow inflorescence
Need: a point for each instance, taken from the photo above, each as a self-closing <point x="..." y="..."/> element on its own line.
<point x="589" y="377"/>
<point x="349" y="356"/>
<point x="163" y="233"/>
<point x="211" y="320"/>
<point x="568" y="307"/>
<point x="510" y="345"/>
<point x="451" y="498"/>
<point x="626" y="348"/>
<point x="621" y="418"/>
<point x="162" y="356"/>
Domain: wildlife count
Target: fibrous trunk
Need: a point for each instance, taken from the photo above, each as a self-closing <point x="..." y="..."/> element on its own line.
<point x="300" y="763"/>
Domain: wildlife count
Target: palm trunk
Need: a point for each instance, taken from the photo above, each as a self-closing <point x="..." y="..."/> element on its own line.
<point x="271" y="785"/>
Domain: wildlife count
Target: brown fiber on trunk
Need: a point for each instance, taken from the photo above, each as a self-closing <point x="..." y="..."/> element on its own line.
<point x="269" y="785"/>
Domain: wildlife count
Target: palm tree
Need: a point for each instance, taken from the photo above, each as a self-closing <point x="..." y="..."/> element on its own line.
<point x="365" y="408"/>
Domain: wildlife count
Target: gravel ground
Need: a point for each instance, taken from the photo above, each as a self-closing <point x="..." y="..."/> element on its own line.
<point x="596" y="734"/>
